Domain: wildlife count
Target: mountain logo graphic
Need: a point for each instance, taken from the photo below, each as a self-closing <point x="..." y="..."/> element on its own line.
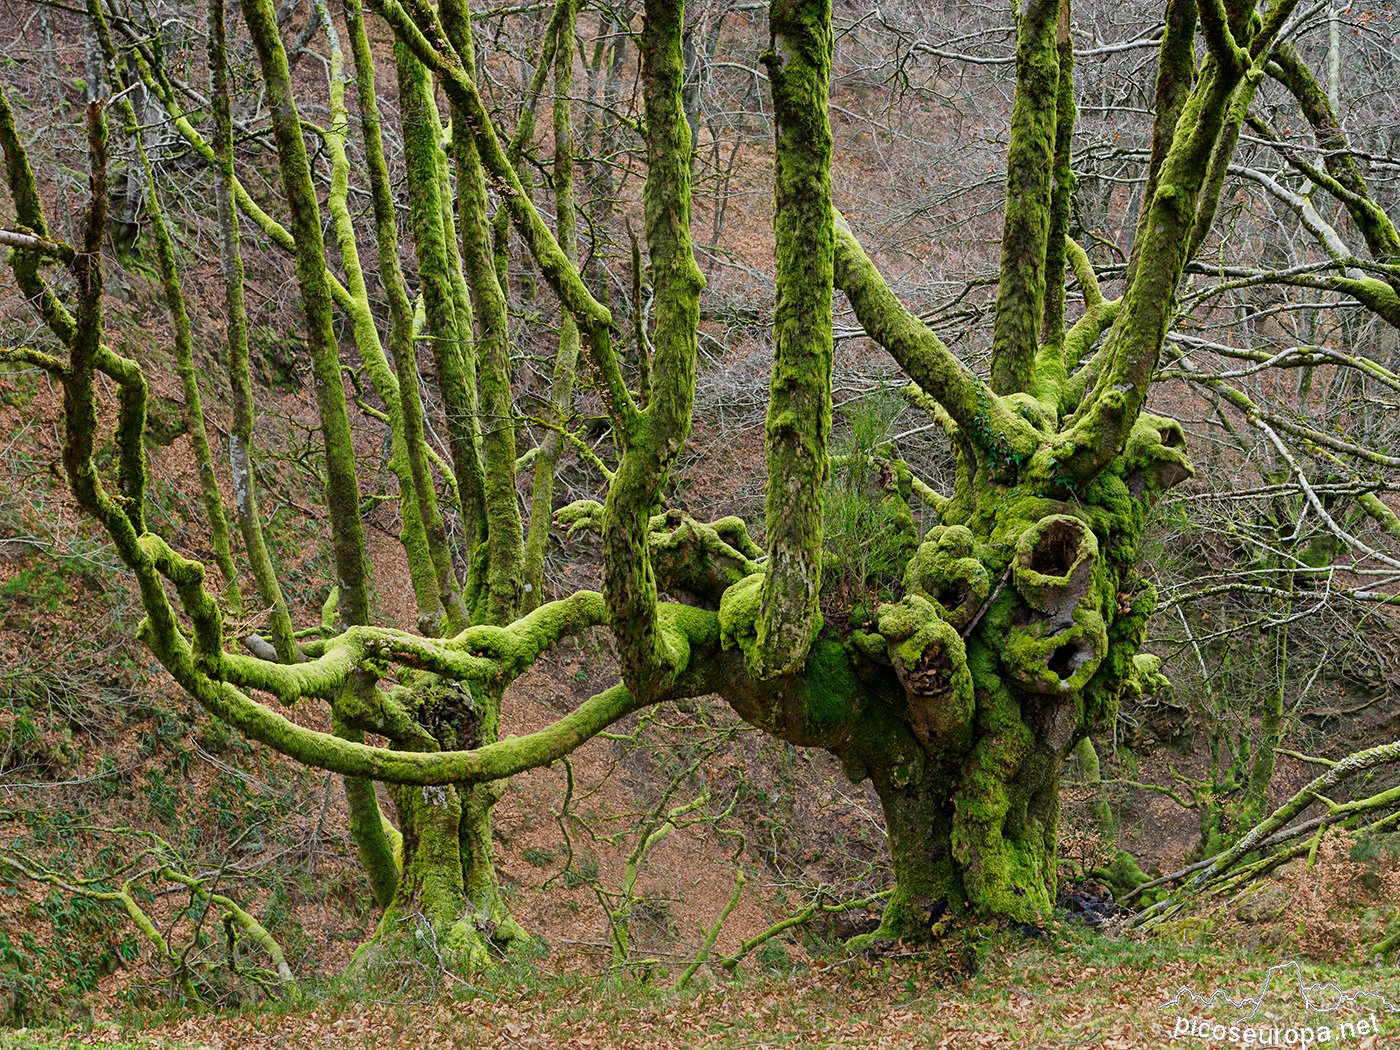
<point x="1346" y="1015"/>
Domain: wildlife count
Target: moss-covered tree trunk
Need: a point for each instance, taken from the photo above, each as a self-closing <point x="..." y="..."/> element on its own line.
<point x="1018" y="634"/>
<point x="1020" y="621"/>
<point x="446" y="904"/>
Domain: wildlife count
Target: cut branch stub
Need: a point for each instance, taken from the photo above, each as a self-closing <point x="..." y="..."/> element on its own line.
<point x="1045" y="660"/>
<point x="930" y="659"/>
<point x="1054" y="565"/>
<point x="945" y="573"/>
<point x="1155" y="457"/>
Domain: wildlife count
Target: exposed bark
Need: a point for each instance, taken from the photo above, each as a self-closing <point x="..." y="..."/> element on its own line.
<point x="798" y="60"/>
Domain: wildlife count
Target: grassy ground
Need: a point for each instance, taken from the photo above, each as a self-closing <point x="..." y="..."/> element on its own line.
<point x="1073" y="989"/>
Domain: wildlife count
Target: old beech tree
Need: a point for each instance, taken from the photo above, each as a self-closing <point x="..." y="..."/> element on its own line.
<point x="1018" y="627"/>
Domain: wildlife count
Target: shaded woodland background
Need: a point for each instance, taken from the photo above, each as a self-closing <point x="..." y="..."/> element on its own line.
<point x="649" y="828"/>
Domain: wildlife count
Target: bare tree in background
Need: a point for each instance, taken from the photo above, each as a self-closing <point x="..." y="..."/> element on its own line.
<point x="1009" y="631"/>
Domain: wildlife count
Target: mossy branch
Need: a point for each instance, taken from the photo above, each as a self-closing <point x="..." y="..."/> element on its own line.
<point x="1099" y="431"/>
<point x="342" y="486"/>
<point x="489" y="366"/>
<point x="1030" y="163"/>
<point x="986" y="419"/>
<point x="184" y="347"/>
<point x="740" y="880"/>
<point x="524" y="134"/>
<point x="423" y="33"/>
<point x="1062" y="186"/>
<point x="1342" y="177"/>
<point x="241" y="450"/>
<point x="448" y="330"/>
<point x="1266" y="830"/>
<point x="798" y="427"/>
<point x="123" y="896"/>
<point x="800" y="918"/>
<point x="244" y="920"/>
<point x="565" y="361"/>
<point x="39" y="245"/>
<point x="423" y="534"/>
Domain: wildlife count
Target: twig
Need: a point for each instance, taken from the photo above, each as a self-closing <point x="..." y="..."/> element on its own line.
<point x="972" y="624"/>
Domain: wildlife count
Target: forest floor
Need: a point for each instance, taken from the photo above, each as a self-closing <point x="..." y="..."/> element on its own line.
<point x="1072" y="990"/>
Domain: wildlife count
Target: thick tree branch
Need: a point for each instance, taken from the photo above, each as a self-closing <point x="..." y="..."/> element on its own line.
<point x="342" y="486"/>
<point x="986" y="420"/>
<point x="1030" y="162"/>
<point x="798" y="60"/>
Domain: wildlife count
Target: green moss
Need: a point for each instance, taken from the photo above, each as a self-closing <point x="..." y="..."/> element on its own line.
<point x="1045" y="659"/>
<point x="1026" y="224"/>
<point x="946" y="574"/>
<point x="829" y="690"/>
<point x="565" y="361"/>
<point x="1123" y="874"/>
<point x="1038" y="411"/>
<point x="379" y="855"/>
<point x="342" y="486"/>
<point x="1054" y="563"/>
<point x="739" y="609"/>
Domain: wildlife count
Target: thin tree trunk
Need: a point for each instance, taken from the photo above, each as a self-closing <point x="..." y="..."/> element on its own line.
<point x="565" y="361"/>
<point x="342" y="486"/>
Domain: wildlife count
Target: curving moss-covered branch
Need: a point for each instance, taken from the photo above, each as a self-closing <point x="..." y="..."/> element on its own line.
<point x="180" y="322"/>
